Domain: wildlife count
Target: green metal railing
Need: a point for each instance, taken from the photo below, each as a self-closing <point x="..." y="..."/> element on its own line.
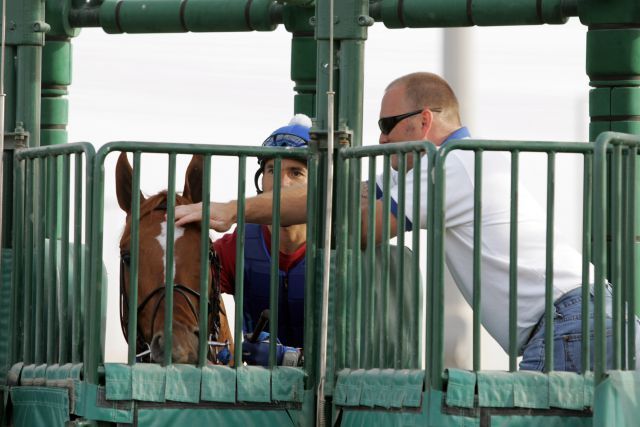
<point x="51" y="268"/>
<point x="615" y="160"/>
<point x="376" y="328"/>
<point x="208" y="152"/>
<point x="594" y="192"/>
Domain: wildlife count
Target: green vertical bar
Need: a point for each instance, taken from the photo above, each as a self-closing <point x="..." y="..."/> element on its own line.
<point x="134" y="264"/>
<point x="203" y="317"/>
<point x="78" y="326"/>
<point x="92" y="267"/>
<point x="28" y="266"/>
<point x="549" y="309"/>
<point x="240" y="229"/>
<point x="168" y="268"/>
<point x="369" y="327"/>
<point x="39" y="231"/>
<point x="275" y="259"/>
<point x="630" y="235"/>
<point x="19" y="272"/>
<point x="384" y="295"/>
<point x="310" y="273"/>
<point x="415" y="247"/>
<point x="513" y="263"/>
<point x="616" y="247"/>
<point x="356" y="266"/>
<point x="599" y="255"/>
<point x="50" y="279"/>
<point x="399" y="352"/>
<point x="65" y="324"/>
<point x="587" y="209"/>
<point x="477" y="258"/>
<point x="437" y="258"/>
<point x="342" y="302"/>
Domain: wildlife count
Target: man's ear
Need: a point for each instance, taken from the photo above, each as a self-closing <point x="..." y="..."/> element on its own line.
<point x="427" y="121"/>
<point x="124" y="179"/>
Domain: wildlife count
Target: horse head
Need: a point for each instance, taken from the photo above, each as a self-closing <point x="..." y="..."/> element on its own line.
<point x="151" y="271"/>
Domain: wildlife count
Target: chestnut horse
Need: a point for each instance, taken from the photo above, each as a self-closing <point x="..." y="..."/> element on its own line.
<point x="151" y="273"/>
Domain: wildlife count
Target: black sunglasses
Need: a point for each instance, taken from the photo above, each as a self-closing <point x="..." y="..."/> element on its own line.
<point x="386" y="124"/>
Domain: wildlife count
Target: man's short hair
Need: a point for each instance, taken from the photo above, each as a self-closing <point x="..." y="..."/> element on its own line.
<point x="430" y="90"/>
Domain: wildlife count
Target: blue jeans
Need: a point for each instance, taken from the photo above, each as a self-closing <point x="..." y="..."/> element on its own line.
<point x="567" y="335"/>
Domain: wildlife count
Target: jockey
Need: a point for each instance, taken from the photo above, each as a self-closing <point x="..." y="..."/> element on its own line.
<point x="257" y="259"/>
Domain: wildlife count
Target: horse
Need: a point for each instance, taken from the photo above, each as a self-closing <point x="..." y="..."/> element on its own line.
<point x="151" y="273"/>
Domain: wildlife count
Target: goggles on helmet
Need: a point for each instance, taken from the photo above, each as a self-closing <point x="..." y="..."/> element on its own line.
<point x="285" y="140"/>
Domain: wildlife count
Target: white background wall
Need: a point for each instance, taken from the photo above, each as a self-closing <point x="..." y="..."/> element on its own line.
<point x="529" y="83"/>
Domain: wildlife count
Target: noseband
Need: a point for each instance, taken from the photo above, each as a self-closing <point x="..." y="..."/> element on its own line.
<point x="185" y="292"/>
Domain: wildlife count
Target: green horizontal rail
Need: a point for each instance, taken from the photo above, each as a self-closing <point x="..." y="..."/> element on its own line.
<point x="450" y="13"/>
<point x="177" y="16"/>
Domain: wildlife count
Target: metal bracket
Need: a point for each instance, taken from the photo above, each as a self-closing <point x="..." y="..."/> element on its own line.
<point x="341" y="137"/>
<point x="16" y="140"/>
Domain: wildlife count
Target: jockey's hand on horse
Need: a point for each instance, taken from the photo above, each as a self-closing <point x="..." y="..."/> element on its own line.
<point x="258" y="353"/>
<point x="221" y="215"/>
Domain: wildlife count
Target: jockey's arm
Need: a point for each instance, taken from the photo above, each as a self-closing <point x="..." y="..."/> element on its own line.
<point x="258" y="210"/>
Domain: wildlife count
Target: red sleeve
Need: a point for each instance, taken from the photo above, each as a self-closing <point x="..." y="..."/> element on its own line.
<point x="226" y="249"/>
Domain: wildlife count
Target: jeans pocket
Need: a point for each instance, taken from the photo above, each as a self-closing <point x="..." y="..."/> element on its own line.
<point x="533" y="356"/>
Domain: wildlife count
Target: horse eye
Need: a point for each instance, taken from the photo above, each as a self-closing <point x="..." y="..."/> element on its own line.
<point x="125" y="257"/>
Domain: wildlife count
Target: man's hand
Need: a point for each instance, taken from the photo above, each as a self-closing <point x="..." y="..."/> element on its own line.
<point x="221" y="215"/>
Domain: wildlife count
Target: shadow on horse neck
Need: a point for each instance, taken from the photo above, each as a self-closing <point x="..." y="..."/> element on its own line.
<point x="153" y="229"/>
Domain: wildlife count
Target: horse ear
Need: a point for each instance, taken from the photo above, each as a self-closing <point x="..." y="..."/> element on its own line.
<point x="193" y="179"/>
<point x="124" y="180"/>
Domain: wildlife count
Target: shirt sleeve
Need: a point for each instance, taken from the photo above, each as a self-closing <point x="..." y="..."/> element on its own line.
<point x="226" y="249"/>
<point x="394" y="191"/>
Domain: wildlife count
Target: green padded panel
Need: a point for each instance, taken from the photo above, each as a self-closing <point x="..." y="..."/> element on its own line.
<point x="183" y="383"/>
<point x="461" y="388"/>
<point x="287" y="384"/>
<point x="118" y="381"/>
<point x="148" y="381"/>
<point x="212" y="417"/>
<point x="495" y="389"/>
<point x="616" y="400"/>
<point x="385" y="388"/>
<point x="39" y="406"/>
<point x="218" y="384"/>
<point x="530" y="390"/>
<point x="254" y="384"/>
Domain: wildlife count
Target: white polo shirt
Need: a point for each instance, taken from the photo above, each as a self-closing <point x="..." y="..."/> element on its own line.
<point x="458" y="240"/>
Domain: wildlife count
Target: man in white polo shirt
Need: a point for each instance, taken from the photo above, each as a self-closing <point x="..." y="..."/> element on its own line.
<point x="422" y="106"/>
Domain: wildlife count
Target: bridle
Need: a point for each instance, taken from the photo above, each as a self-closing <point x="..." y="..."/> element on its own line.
<point x="214" y="309"/>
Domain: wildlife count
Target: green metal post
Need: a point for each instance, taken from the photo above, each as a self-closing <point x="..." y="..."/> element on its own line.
<point x="613" y="66"/>
<point x="297" y="20"/>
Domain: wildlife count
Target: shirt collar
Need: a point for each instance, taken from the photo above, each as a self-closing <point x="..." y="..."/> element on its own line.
<point x="461" y="133"/>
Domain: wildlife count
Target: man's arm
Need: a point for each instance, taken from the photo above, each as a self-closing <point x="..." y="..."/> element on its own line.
<point x="393" y="224"/>
<point x="258" y="209"/>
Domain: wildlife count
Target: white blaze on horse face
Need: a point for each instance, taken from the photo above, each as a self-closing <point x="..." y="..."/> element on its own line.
<point x="162" y="239"/>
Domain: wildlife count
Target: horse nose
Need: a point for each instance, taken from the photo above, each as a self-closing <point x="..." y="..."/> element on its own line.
<point x="157" y="348"/>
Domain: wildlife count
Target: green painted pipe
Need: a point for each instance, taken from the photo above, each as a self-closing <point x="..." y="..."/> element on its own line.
<point x="464" y="13"/>
<point x="177" y="16"/>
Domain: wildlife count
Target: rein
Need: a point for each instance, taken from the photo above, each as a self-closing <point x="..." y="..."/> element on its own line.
<point x="214" y="309"/>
